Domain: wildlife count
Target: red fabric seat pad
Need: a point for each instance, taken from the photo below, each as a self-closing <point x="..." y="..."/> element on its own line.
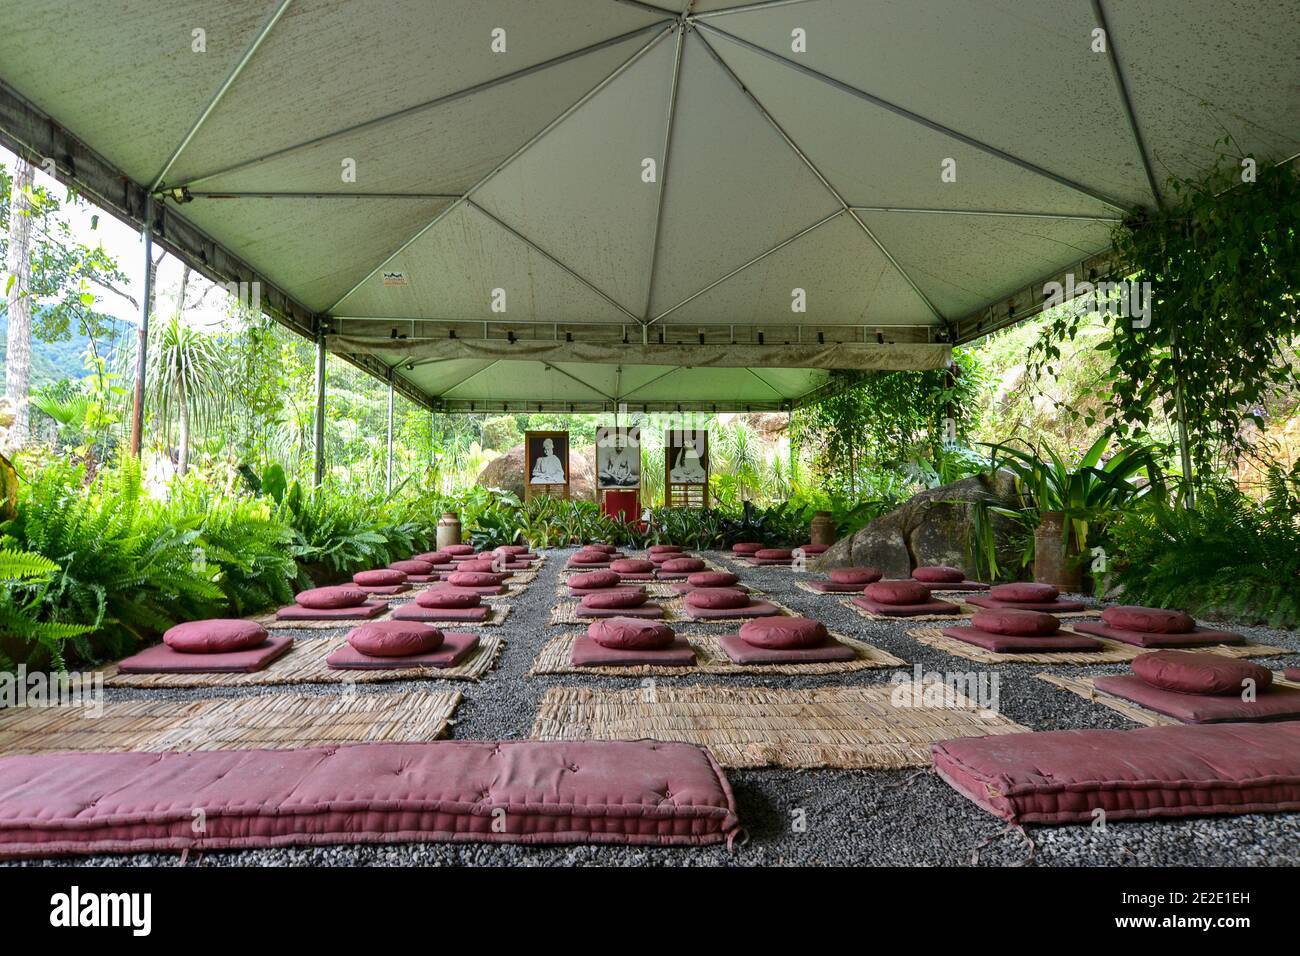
<point x="455" y="549"/>
<point x="448" y="597"/>
<point x="1201" y="637"/>
<point x="593" y="580"/>
<point x="746" y="547"/>
<point x="858" y="576"/>
<point x="830" y="587"/>
<point x="1187" y="672"/>
<point x="362" y="612"/>
<point x="591" y="561"/>
<point x="607" y="548"/>
<point x="905" y="610"/>
<point x="479" y="566"/>
<point x="394" y="638"/>
<point x="589" y="653"/>
<point x="486" y="589"/>
<point x="632" y="566"/>
<point x="218" y="635"/>
<point x="1150" y="620"/>
<point x="1015" y="623"/>
<point x="161" y="659"/>
<point x="712" y="579"/>
<point x="630" y="634"/>
<point x="1064" y="776"/>
<point x="1276" y="703"/>
<point x="665" y="549"/>
<point x="774" y="554"/>
<point x="939" y="574"/>
<point x="381" y="577"/>
<point x="716" y="599"/>
<point x="813" y="549"/>
<point x="433" y="557"/>
<point x="784" y="633"/>
<point x="1024" y="592"/>
<point x="1292" y="674"/>
<point x="449" y="615"/>
<point x="1023" y="643"/>
<point x="329" y="598"/>
<point x="514" y="549"/>
<point x="412" y="567"/>
<point x="681" y="583"/>
<point x="897" y="592"/>
<point x="743" y="652"/>
<point x="683" y="565"/>
<point x="390" y="591"/>
<point x="579" y="594"/>
<point x="754" y="609"/>
<point x="476" y="579"/>
<point x="455" y="647"/>
<point x="648" y="610"/>
<point x="958" y="586"/>
<point x="614" y="598"/>
<point x="1050" y="607"/>
<point x="549" y="792"/>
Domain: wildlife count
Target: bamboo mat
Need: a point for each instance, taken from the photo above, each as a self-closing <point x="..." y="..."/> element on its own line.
<point x="566" y="611"/>
<point x="497" y="614"/>
<point x="276" y="721"/>
<point x="850" y="728"/>
<point x="1112" y="652"/>
<point x="305" y="664"/>
<point x="710" y="658"/>
<point x="656" y="589"/>
<point x="1087" y="689"/>
<point x="863" y="612"/>
<point x="269" y="622"/>
<point x="805" y="586"/>
<point x="1223" y="650"/>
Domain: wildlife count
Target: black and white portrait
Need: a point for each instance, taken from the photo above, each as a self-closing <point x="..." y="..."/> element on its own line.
<point x="548" y="458"/>
<point x="688" y="457"/>
<point x="618" y="457"/>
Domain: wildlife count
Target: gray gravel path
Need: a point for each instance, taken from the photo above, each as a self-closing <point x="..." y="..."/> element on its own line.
<point x="852" y="817"/>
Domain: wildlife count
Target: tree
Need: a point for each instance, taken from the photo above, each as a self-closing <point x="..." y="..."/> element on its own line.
<point x="18" y="353"/>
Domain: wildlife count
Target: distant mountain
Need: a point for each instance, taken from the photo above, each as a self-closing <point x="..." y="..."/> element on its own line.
<point x="54" y="361"/>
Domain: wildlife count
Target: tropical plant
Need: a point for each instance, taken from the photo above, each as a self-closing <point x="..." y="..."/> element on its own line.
<point x="24" y="577"/>
<point x="186" y="378"/>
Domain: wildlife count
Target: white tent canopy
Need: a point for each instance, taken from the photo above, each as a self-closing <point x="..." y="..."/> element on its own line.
<point x="581" y="203"/>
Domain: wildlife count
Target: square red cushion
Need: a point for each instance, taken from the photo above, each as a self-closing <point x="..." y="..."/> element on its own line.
<point x="833" y="587"/>
<point x="588" y="653"/>
<point x="645" y="610"/>
<point x="742" y="652"/>
<point x="454" y="649"/>
<point x="956" y="586"/>
<point x="906" y="610"/>
<point x="1200" y="637"/>
<point x="1051" y="607"/>
<point x="488" y="589"/>
<point x="755" y="609"/>
<point x="1013" y="644"/>
<point x="161" y="659"/>
<point x="386" y="590"/>
<point x="585" y="565"/>
<point x="686" y="587"/>
<point x="770" y="562"/>
<point x="1276" y="703"/>
<point x="431" y="615"/>
<point x="364" y="612"/>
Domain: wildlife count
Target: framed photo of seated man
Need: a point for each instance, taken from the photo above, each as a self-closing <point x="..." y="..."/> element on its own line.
<point x="546" y="464"/>
<point x="618" y="458"/>
<point x="686" y="468"/>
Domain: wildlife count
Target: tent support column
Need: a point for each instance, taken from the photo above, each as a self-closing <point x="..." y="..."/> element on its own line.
<point x="318" y="424"/>
<point x="142" y="347"/>
<point x="388" y="469"/>
<point x="1184" y="446"/>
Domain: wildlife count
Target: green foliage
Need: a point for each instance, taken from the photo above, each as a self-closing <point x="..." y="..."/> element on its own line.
<point x="24" y="577"/>
<point x="501" y="433"/>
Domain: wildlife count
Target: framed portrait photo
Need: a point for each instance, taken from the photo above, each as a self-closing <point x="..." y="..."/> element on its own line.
<point x="686" y="468"/>
<point x="618" y="458"/>
<point x="546" y="463"/>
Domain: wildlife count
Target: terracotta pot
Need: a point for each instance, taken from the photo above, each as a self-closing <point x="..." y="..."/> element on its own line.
<point x="1053" y="564"/>
<point x="823" y="528"/>
<point x="448" y="530"/>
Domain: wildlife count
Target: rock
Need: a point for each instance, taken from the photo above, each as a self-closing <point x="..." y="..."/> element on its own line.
<point x="507" y="473"/>
<point x="932" y="527"/>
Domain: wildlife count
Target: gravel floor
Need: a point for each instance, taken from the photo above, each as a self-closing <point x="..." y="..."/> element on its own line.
<point x="851" y="817"/>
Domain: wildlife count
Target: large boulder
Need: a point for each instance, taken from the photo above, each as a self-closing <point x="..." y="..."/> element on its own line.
<point x="507" y="473"/>
<point x="932" y="527"/>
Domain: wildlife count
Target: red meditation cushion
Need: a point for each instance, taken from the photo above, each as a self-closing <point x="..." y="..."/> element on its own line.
<point x="474" y="579"/>
<point x="594" y="580"/>
<point x="814" y="548"/>
<point x="746" y="547"/>
<point x="455" y="549"/>
<point x="717" y="599"/>
<point x="1187" y="672"/>
<point x="774" y="554"/>
<point x="1024" y="591"/>
<point x="512" y="549"/>
<point x="379" y="578"/>
<point x="394" y="638"/>
<point x="433" y="557"/>
<point x="412" y="567"/>
<point x="323" y="599"/>
<point x="712" y="579"/>
<point x="603" y="548"/>
<point x="664" y="548"/>
<point x="1016" y="623"/>
<point x="477" y="565"/>
<point x="614" y="599"/>
<point x="939" y="574"/>
<point x="448" y="598"/>
<point x="1148" y="620"/>
<point x="590" y="557"/>
<point x="629" y="633"/>
<point x="897" y="592"/>
<point x="683" y="565"/>
<point x="862" y="576"/>
<point x="218" y="635"/>
<point x="631" y="566"/>
<point x="784" y="633"/>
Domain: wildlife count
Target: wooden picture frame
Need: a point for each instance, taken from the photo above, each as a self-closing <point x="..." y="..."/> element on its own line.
<point x="546" y="457"/>
<point x="686" y="468"/>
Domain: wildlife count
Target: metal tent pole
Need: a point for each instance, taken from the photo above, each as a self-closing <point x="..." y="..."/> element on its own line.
<point x="318" y="427"/>
<point x="388" y="470"/>
<point x="1184" y="447"/>
<point x="142" y="348"/>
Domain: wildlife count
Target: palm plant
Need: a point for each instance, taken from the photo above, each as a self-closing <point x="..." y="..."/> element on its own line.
<point x="186" y="376"/>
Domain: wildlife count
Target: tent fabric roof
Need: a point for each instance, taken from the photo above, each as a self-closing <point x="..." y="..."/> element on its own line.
<point x="663" y="181"/>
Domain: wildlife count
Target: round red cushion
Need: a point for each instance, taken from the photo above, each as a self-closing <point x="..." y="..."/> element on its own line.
<point x="412" y="567"/>
<point x="774" y="554"/>
<point x="1150" y="620"/>
<point x="814" y="548"/>
<point x="746" y="547"/>
<point x="897" y="592"/>
<point x="631" y="566"/>
<point x="1024" y="591"/>
<point x="322" y="599"/>
<point x="939" y="574"/>
<point x="434" y="557"/>
<point x="614" y="599"/>
<point x="394" y="638"/>
<point x="603" y="548"/>
<point x="683" y="565"/>
<point x="784" y="633"/>
<point x="717" y="599"/>
<point x="512" y="549"/>
<point x="380" y="578"/>
<point x="712" y="579"/>
<point x="664" y="548"/>
<point x="1190" y="673"/>
<point x="474" y="579"/>
<point x="629" y="633"/>
<point x="448" y="597"/>
<point x="477" y="565"/>
<point x="590" y="557"/>
<point x="216" y="636"/>
<point x="594" y="580"/>
<point x="1016" y="623"/>
<point x="458" y="549"/>
<point x="862" y="576"/>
